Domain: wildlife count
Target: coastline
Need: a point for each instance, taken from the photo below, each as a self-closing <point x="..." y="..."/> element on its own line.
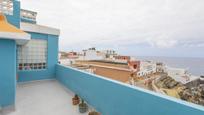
<point x="194" y="65"/>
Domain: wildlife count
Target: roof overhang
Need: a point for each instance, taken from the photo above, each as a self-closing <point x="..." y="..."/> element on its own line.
<point x="8" y="31"/>
<point x="28" y="27"/>
<point x="20" y="38"/>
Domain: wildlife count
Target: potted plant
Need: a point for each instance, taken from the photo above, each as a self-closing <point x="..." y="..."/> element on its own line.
<point x="94" y="113"/>
<point x="75" y="100"/>
<point x="83" y="107"/>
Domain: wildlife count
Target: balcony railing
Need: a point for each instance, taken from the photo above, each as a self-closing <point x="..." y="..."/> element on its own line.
<point x="110" y="97"/>
<point x="28" y="16"/>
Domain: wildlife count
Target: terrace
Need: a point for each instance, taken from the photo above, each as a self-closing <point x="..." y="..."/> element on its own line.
<point x="107" y="96"/>
<point x="46" y="97"/>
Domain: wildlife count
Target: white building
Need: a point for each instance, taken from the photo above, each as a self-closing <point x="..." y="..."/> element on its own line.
<point x="67" y="61"/>
<point x="92" y="54"/>
<point x="180" y="75"/>
<point x="109" y="54"/>
<point x="160" y="67"/>
<point x="146" y="68"/>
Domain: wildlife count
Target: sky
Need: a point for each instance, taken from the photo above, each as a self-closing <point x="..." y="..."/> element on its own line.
<point x="173" y="28"/>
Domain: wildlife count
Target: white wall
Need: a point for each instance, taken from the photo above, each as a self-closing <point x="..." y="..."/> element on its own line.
<point x="67" y="61"/>
<point x="92" y="55"/>
<point x="147" y="68"/>
<point x="180" y="75"/>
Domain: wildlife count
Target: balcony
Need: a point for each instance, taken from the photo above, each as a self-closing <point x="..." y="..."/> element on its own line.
<point x="109" y="97"/>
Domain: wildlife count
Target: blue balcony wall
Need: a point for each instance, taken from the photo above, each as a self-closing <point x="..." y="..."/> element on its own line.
<point x="7" y="72"/>
<point x="114" y="98"/>
<point x="52" y="60"/>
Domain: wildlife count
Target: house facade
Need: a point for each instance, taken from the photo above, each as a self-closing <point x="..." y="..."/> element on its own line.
<point x="28" y="51"/>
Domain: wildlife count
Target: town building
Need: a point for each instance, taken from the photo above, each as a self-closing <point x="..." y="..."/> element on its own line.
<point x="196" y="82"/>
<point x="108" y="69"/>
<point x="134" y="65"/>
<point x="180" y="75"/>
<point x="121" y="59"/>
<point x="146" y="68"/>
<point x="72" y="55"/>
<point x="194" y="91"/>
<point x="109" y="54"/>
<point x="62" y="55"/>
<point x="160" y="67"/>
<point x="92" y="54"/>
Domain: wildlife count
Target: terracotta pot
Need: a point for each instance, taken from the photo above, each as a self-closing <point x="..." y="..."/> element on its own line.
<point x="75" y="100"/>
<point x="94" y="113"/>
<point x="83" y="107"/>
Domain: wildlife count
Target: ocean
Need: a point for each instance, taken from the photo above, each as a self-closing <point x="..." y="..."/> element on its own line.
<point x="194" y="65"/>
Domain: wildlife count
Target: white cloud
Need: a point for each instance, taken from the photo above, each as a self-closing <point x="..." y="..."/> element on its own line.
<point x="162" y="41"/>
<point x="160" y="23"/>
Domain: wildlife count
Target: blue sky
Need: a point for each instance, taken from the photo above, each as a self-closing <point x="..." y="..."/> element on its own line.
<point x="131" y="27"/>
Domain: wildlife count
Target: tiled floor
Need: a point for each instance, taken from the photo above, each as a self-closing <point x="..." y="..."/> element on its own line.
<point x="44" y="98"/>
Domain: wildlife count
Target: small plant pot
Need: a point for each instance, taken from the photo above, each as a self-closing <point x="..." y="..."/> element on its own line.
<point x="94" y="113"/>
<point x="83" y="107"/>
<point x="75" y="100"/>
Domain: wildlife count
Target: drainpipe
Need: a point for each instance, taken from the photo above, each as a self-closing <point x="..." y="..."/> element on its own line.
<point x="0" y="109"/>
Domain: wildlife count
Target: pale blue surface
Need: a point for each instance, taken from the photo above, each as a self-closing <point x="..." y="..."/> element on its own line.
<point x="52" y="60"/>
<point x="7" y="72"/>
<point x="113" y="98"/>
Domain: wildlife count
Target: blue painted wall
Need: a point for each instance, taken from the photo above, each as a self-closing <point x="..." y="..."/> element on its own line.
<point x="49" y="73"/>
<point x="15" y="18"/>
<point x="52" y="60"/>
<point x="7" y="72"/>
<point x="8" y="61"/>
<point x="113" y="98"/>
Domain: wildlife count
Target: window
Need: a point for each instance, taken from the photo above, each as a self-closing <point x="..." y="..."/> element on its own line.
<point x="33" y="55"/>
<point x="6" y="7"/>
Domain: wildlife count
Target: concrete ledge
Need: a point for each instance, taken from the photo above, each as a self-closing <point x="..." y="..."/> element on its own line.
<point x="28" y="27"/>
<point x="20" y="38"/>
